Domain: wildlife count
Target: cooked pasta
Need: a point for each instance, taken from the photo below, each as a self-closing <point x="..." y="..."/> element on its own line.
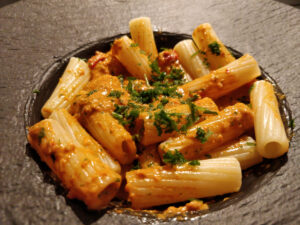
<point x="142" y="34"/>
<point x="163" y="185"/>
<point x="271" y="138"/>
<point x="156" y="128"/>
<point x="191" y="59"/>
<point x="214" y="51"/>
<point x="80" y="169"/>
<point x="132" y="57"/>
<point x="226" y="79"/>
<point x="81" y="137"/>
<point x="75" y="77"/>
<point x="211" y="133"/>
<point x="243" y="149"/>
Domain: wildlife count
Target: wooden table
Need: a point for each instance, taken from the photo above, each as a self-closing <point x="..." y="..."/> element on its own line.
<point x="34" y="33"/>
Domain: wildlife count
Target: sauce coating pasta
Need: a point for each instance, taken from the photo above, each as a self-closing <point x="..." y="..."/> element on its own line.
<point x="141" y="128"/>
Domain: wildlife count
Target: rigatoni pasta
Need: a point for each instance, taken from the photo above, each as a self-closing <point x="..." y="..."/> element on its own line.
<point x="179" y="121"/>
<point x="142" y="34"/>
<point x="210" y="133"/>
<point x="81" y="137"/>
<point x="271" y="138"/>
<point x="243" y="149"/>
<point x="215" y="53"/>
<point x="75" y="77"/>
<point x="226" y="79"/>
<point x="164" y="185"/>
<point x="80" y="169"/>
<point x="132" y="57"/>
<point x="190" y="58"/>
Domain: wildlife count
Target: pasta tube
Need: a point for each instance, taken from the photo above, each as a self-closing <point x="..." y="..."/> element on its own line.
<point x="111" y="135"/>
<point x="142" y="34"/>
<point x="163" y="185"/>
<point x="216" y="54"/>
<point x="149" y="157"/>
<point x="149" y="133"/>
<point x="190" y="59"/>
<point x="132" y="57"/>
<point x="243" y="149"/>
<point x="211" y="133"/>
<point x="80" y="136"/>
<point x="226" y="79"/>
<point x="75" y="77"/>
<point x="79" y="169"/>
<point x="270" y="134"/>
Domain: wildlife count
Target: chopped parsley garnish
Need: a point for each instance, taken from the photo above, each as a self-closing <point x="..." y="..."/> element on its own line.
<point x="292" y="124"/>
<point x="41" y="135"/>
<point x="206" y="111"/>
<point x="142" y="52"/>
<point x="91" y="92"/>
<point x="251" y="88"/>
<point x="197" y="52"/>
<point x="174" y="158"/>
<point x="215" y="48"/>
<point x="164" y="49"/>
<point x="251" y="143"/>
<point x="206" y="63"/>
<point x="163" y="121"/>
<point x="36" y="91"/>
<point x="154" y="67"/>
<point x="164" y="101"/>
<point x="115" y="93"/>
<point x="194" y="163"/>
<point x="202" y="136"/>
<point x="134" y="45"/>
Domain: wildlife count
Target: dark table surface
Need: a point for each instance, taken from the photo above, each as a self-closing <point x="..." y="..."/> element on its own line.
<point x="34" y="33"/>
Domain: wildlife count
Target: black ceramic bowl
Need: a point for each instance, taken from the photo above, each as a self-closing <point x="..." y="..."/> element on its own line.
<point x="253" y="178"/>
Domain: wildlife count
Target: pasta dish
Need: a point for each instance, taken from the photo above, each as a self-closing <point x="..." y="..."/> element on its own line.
<point x="158" y="127"/>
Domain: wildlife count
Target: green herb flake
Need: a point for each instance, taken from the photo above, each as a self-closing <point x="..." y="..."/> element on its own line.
<point x="251" y="143"/>
<point x="142" y="52"/>
<point x="36" y="91"/>
<point x="197" y="52"/>
<point x="206" y="111"/>
<point x="206" y="63"/>
<point x="251" y="88"/>
<point x="154" y="67"/>
<point x="115" y="93"/>
<point x="202" y="136"/>
<point x="292" y="124"/>
<point x="174" y="158"/>
<point x="91" y="92"/>
<point x="164" y="49"/>
<point x="41" y="135"/>
<point x="194" y="163"/>
<point x="215" y="48"/>
<point x="134" y="45"/>
<point x="163" y="121"/>
<point x="164" y="101"/>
